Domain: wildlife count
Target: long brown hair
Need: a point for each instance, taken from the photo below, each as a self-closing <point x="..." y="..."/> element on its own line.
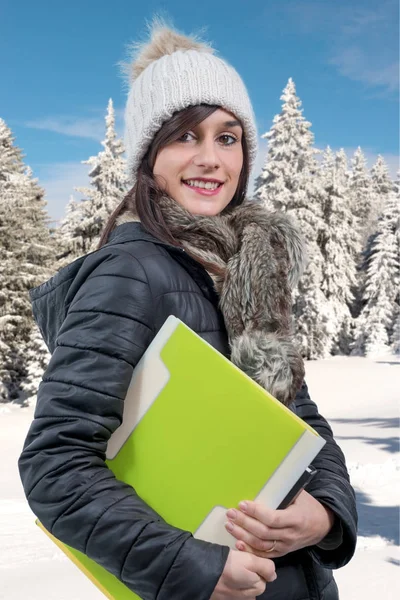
<point x="142" y="198"/>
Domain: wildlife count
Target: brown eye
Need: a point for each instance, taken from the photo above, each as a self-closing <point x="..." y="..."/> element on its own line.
<point x="226" y="139"/>
<point x="182" y="138"/>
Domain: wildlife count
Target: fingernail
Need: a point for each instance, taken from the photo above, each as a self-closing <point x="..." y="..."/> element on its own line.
<point x="231" y="514"/>
<point x="229" y="526"/>
<point x="243" y="506"/>
<point x="240" y="546"/>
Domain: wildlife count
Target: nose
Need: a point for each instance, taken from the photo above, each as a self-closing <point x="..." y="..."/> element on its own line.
<point x="207" y="155"/>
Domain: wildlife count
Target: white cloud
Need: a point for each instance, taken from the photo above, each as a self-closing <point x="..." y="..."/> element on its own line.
<point x="362" y="41"/>
<point x="92" y="128"/>
<point x="354" y="63"/>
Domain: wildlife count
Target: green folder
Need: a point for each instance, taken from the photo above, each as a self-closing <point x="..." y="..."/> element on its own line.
<point x="197" y="437"/>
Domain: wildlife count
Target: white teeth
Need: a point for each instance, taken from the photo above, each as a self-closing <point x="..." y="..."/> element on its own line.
<point x="202" y="184"/>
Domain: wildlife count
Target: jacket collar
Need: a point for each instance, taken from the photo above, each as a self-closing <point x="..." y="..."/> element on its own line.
<point x="130" y="232"/>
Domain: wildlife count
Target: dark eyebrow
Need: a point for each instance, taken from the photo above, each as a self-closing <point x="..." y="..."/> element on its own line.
<point x="232" y="123"/>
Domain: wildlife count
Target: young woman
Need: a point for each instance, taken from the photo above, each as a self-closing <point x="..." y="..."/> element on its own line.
<point x="184" y="242"/>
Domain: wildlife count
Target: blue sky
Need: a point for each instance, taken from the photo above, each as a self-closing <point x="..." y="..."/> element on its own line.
<point x="58" y="65"/>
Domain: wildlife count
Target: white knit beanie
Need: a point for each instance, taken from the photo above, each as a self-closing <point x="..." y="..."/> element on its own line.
<point x="172" y="72"/>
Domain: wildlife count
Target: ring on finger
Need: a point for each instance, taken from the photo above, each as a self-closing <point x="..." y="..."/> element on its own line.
<point x="272" y="547"/>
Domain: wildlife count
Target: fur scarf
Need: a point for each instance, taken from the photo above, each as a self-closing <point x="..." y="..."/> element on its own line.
<point x="255" y="258"/>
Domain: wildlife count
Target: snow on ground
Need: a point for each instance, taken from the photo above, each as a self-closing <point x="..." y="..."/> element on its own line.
<point x="358" y="396"/>
<point x="361" y="400"/>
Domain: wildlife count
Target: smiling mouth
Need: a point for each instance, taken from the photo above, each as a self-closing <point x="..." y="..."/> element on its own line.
<point x="203" y="191"/>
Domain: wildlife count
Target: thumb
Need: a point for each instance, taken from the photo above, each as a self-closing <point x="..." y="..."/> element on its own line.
<point x="264" y="567"/>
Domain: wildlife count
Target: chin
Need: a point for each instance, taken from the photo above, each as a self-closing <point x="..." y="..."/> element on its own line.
<point x="209" y="211"/>
<point x="205" y="208"/>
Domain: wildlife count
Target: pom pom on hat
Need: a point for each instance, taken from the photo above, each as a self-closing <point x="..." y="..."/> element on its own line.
<point x="163" y="41"/>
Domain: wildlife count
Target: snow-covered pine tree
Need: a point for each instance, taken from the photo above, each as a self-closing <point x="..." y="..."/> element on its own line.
<point x="10" y="155"/>
<point x="376" y="323"/>
<point x="37" y="358"/>
<point x="26" y="254"/>
<point x="362" y="196"/>
<point x="395" y="339"/>
<point x="10" y="164"/>
<point x="382" y="185"/>
<point x="395" y="334"/>
<point x="339" y="246"/>
<point x="68" y="236"/>
<point x="311" y="313"/>
<point x="288" y="182"/>
<point x="290" y="157"/>
<point x="108" y="180"/>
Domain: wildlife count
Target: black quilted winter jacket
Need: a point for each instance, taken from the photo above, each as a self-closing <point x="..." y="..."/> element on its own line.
<point x="97" y="316"/>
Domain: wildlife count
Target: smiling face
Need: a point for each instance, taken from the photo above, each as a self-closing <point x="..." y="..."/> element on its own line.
<point x="201" y="169"/>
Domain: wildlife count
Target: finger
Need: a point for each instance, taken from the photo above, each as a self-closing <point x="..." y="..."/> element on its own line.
<point x="279" y="550"/>
<point x="271" y="518"/>
<point x="250" y="524"/>
<point x="256" y="588"/>
<point x="259" y="588"/>
<point x="243" y="547"/>
<point x="264" y="568"/>
<point x="241" y="525"/>
<point x="241" y="534"/>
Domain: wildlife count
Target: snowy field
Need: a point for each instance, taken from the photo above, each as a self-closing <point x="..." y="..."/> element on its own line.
<point x="360" y="397"/>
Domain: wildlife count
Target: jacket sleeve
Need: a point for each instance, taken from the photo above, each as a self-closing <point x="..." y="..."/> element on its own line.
<point x="108" y="326"/>
<point x="330" y="486"/>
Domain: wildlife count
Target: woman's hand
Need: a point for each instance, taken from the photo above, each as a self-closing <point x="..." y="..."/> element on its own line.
<point x="244" y="577"/>
<point x="272" y="533"/>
